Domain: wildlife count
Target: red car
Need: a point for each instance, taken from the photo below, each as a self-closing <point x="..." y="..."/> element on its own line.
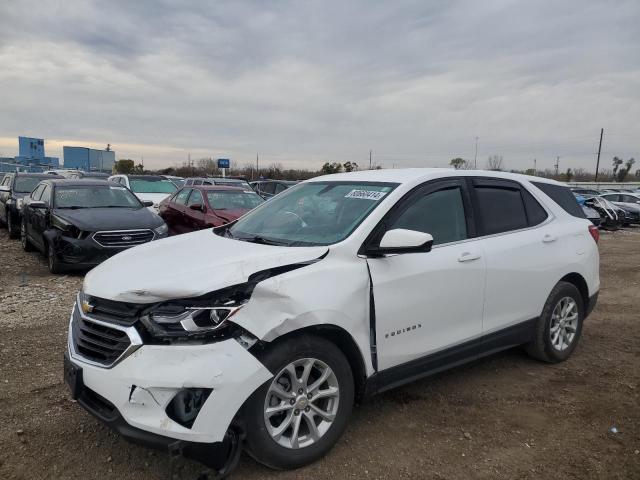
<point x="203" y="206"/>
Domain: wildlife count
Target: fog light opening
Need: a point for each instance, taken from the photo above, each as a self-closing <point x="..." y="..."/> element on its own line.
<point x="186" y="405"/>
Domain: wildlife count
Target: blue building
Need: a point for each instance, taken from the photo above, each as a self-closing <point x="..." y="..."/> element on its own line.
<point x="88" y="159"/>
<point x="31" y="157"/>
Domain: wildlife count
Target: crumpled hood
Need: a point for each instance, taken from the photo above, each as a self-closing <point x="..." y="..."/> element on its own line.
<point x="187" y="266"/>
<point x="96" y="219"/>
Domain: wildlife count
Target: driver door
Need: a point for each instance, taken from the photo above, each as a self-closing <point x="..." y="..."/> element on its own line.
<point x="430" y="303"/>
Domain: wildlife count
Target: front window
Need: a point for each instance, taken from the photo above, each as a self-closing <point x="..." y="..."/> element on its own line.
<point x="225" y="200"/>
<point x="316" y="213"/>
<point x="95" y="197"/>
<point x="152" y="186"/>
<point x="26" y="184"/>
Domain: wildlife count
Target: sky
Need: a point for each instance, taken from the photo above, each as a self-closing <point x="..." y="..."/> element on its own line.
<point x="304" y="82"/>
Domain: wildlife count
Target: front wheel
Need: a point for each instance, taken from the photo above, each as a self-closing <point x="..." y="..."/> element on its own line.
<point x="559" y="326"/>
<point x="24" y="240"/>
<point x="297" y="416"/>
<point x="55" y="266"/>
<point x="12" y="227"/>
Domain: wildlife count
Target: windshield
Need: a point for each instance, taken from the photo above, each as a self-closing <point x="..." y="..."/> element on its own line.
<point x="152" y="186"/>
<point x="95" y="197"/>
<point x="317" y="213"/>
<point x="26" y="184"/>
<point x="220" y="200"/>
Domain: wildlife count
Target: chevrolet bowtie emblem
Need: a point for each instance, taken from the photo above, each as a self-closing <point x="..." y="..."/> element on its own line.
<point x="86" y="307"/>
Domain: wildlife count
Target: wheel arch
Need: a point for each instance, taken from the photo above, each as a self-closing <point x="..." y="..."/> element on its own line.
<point x="347" y="345"/>
<point x="580" y="283"/>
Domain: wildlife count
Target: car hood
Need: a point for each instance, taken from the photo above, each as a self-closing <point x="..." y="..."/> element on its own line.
<point x="187" y="266"/>
<point x="97" y="219"/>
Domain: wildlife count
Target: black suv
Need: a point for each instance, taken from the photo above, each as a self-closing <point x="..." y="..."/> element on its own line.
<point x="13" y="188"/>
<point x="80" y="223"/>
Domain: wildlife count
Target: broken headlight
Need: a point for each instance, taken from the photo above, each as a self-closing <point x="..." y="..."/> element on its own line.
<point x="202" y="317"/>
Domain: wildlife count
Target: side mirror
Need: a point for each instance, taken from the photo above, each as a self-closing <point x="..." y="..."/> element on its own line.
<point x="197" y="206"/>
<point x="147" y="203"/>
<point x="400" y="240"/>
<point x="5" y="188"/>
<point x="37" y="204"/>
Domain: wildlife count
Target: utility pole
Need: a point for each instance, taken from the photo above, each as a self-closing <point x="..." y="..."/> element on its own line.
<point x="535" y="167"/>
<point x="370" y="152"/>
<point x="557" y="165"/>
<point x="599" y="150"/>
<point x="257" y="168"/>
<point x="475" y="157"/>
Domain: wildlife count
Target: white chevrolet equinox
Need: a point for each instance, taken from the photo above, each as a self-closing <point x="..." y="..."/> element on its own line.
<point x="264" y="332"/>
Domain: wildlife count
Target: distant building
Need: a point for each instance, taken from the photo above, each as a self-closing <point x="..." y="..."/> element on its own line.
<point x="31" y="157"/>
<point x="88" y="159"/>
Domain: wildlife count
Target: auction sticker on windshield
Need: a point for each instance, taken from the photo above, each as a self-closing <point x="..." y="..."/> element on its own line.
<point x="365" y="195"/>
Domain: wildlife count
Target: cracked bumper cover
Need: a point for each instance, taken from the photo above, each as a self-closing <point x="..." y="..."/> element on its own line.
<point x="141" y="386"/>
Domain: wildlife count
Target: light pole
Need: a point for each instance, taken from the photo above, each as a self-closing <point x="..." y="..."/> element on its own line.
<point x="475" y="157"/>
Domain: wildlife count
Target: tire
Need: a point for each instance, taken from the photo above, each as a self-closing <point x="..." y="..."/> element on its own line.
<point x="55" y="266"/>
<point x="549" y="346"/>
<point x="302" y="350"/>
<point x="26" y="244"/>
<point x="11" y="227"/>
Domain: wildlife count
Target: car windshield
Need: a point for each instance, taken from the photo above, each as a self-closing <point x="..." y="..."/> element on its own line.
<point x="26" y="184"/>
<point x="226" y="200"/>
<point x="316" y="213"/>
<point x="92" y="196"/>
<point x="152" y="186"/>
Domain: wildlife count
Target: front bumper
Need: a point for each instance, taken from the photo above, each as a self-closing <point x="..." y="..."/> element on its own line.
<point x="141" y="386"/>
<point x="85" y="252"/>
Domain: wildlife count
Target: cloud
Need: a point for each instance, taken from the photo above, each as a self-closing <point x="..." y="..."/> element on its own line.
<point x="307" y="82"/>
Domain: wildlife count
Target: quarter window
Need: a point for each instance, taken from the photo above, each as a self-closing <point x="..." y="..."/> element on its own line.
<point x="439" y="213"/>
<point x="501" y="209"/>
<point x="563" y="197"/>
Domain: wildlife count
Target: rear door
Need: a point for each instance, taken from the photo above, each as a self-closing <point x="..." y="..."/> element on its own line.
<point x="431" y="302"/>
<point x="523" y="249"/>
<point x="178" y="213"/>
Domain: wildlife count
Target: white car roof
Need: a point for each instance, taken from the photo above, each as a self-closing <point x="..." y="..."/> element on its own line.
<point x="419" y="175"/>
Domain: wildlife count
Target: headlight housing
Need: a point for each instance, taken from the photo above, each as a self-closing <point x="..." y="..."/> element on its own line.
<point x="205" y="317"/>
<point x="162" y="229"/>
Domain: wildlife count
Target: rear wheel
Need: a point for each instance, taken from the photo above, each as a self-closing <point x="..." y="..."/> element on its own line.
<point x="297" y="416"/>
<point x="11" y="226"/>
<point x="26" y="244"/>
<point x="559" y="326"/>
<point x="55" y="266"/>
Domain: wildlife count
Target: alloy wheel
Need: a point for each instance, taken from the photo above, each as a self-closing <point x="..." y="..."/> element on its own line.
<point x="564" y="323"/>
<point x="301" y="403"/>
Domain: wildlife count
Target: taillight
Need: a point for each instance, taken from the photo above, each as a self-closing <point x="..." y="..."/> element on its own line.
<point x="595" y="232"/>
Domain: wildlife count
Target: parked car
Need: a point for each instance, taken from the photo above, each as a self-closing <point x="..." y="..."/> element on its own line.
<point x="269" y="188"/>
<point x="153" y="188"/>
<point x="177" y="181"/>
<point x="205" y="206"/>
<point x="231" y="182"/>
<point x="630" y="202"/>
<point x="80" y="223"/>
<point x="269" y="328"/>
<point x="14" y="187"/>
<point x="612" y="217"/>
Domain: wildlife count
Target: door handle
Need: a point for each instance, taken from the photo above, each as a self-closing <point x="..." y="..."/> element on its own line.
<point x="549" y="238"/>
<point x="468" y="257"/>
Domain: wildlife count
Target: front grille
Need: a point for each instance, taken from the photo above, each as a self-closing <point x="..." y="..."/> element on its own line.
<point x="123" y="238"/>
<point x="97" y="342"/>
<point x="114" y="312"/>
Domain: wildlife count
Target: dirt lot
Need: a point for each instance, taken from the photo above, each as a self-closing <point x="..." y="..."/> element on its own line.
<point x="504" y="417"/>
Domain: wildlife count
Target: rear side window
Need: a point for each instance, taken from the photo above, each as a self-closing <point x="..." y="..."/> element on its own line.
<point x="563" y="197"/>
<point x="535" y="213"/>
<point x="501" y="209"/>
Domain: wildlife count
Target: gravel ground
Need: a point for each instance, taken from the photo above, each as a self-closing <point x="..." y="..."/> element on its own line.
<point x="506" y="417"/>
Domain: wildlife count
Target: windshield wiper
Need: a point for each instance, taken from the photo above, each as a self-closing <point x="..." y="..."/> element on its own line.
<point x="261" y="240"/>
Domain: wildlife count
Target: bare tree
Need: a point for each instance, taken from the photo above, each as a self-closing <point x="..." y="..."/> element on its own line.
<point x="494" y="162"/>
